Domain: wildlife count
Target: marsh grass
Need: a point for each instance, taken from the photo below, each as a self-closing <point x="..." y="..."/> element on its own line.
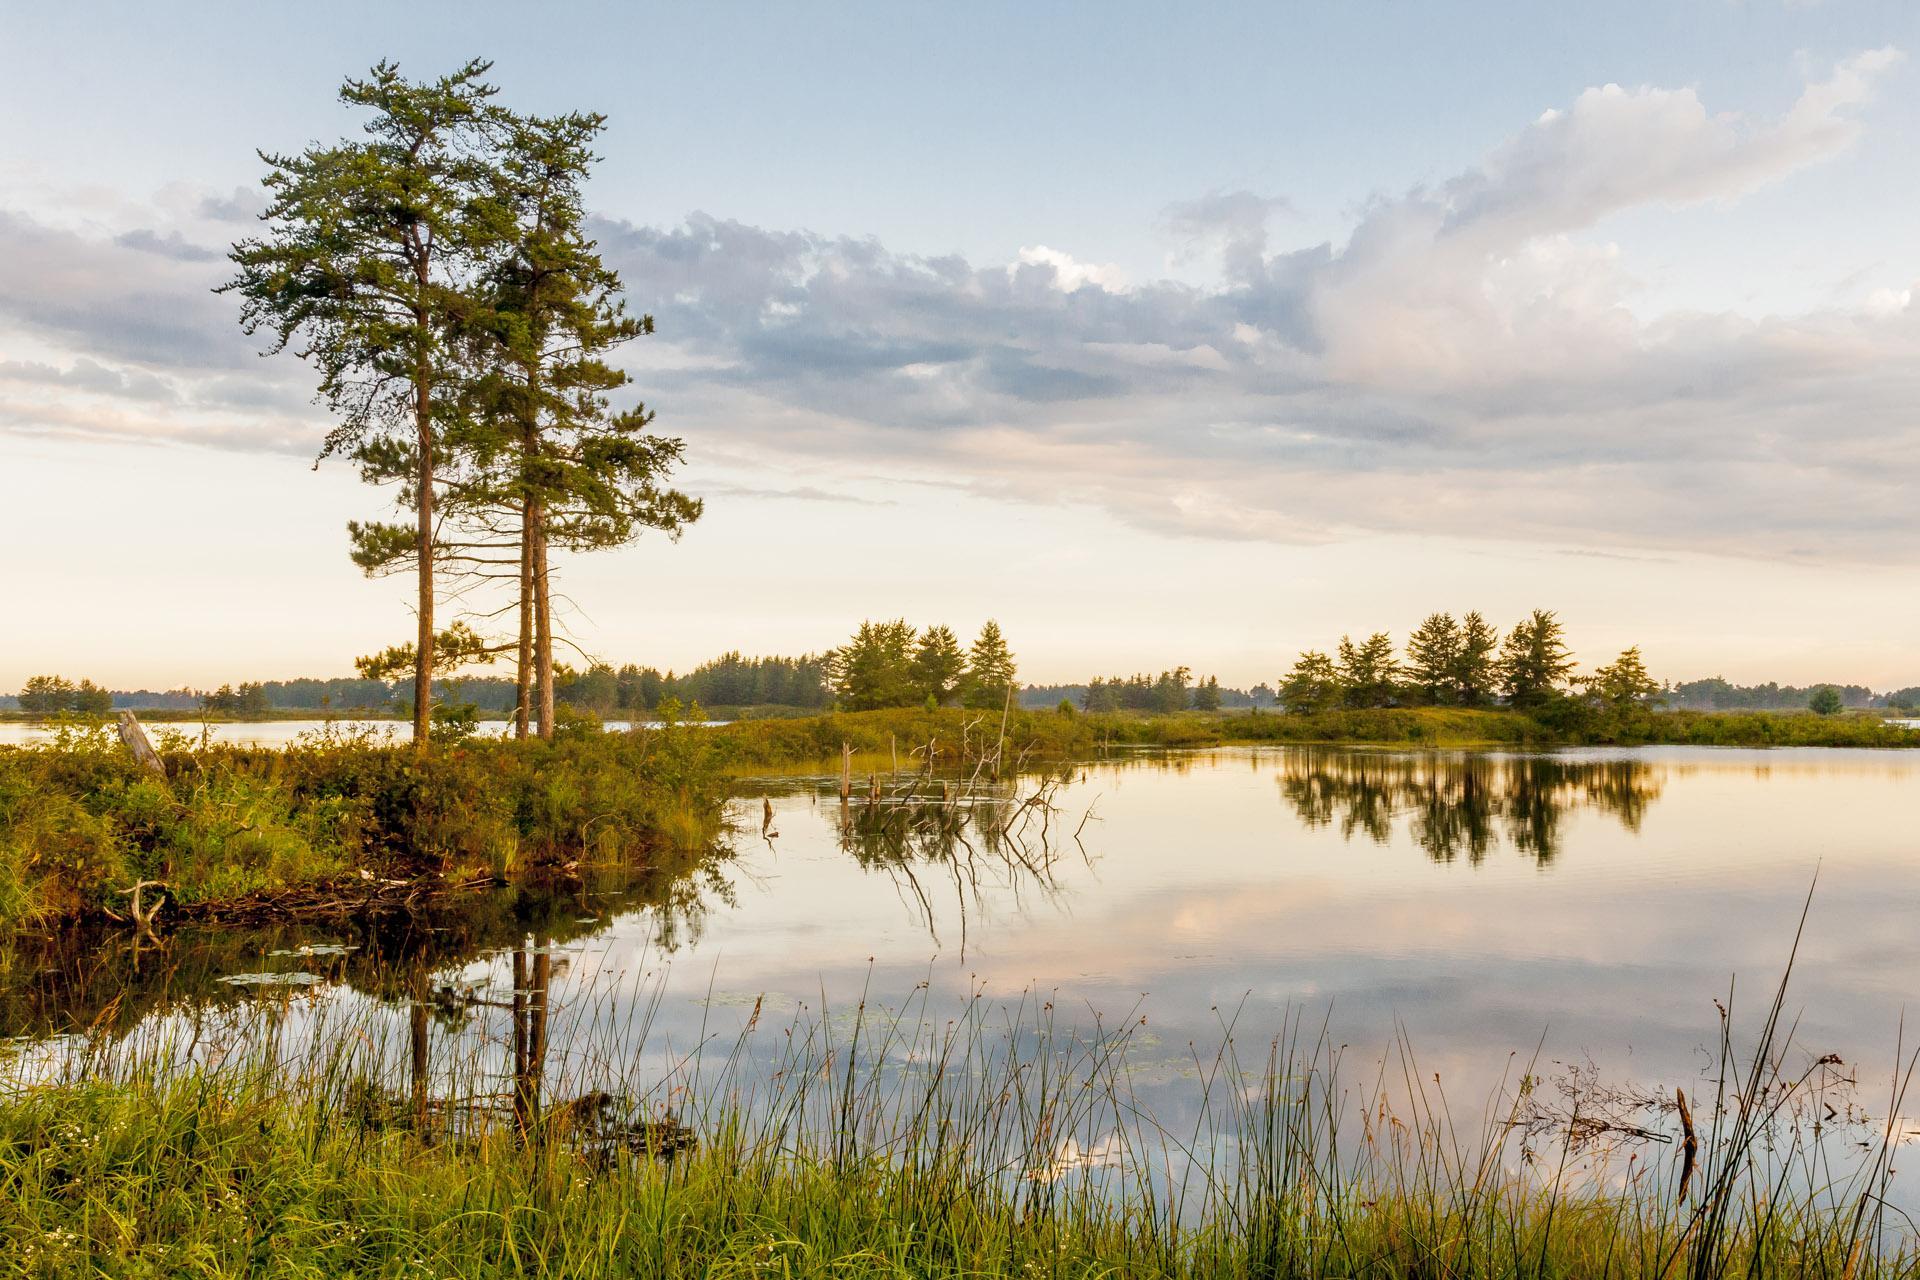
<point x="80" y="823"/>
<point x="962" y="736"/>
<point x="984" y="1141"/>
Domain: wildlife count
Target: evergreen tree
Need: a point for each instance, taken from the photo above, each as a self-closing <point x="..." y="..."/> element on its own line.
<point x="1206" y="694"/>
<point x="46" y="695"/>
<point x="1534" y="661"/>
<point x="875" y="668"/>
<point x="367" y="262"/>
<point x="1433" y="658"/>
<point x="577" y="473"/>
<point x="1624" y="682"/>
<point x="89" y="699"/>
<point x="1367" y="670"/>
<point x="1312" y="685"/>
<point x="1826" y="701"/>
<point x="990" y="668"/>
<point x="1475" y="674"/>
<point x="1102" y="695"/>
<point x="1170" y="691"/>
<point x="939" y="666"/>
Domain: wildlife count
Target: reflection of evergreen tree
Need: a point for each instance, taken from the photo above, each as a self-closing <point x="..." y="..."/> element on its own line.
<point x="1456" y="804"/>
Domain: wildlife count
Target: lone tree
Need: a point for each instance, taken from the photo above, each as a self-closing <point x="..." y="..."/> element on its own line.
<point x="990" y="668"/>
<point x="370" y="249"/>
<point x="1825" y="701"/>
<point x="1624" y="682"/>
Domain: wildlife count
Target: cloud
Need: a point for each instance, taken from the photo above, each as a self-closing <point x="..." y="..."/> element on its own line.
<point x="1069" y="274"/>
<point x="172" y="245"/>
<point x="1465" y="363"/>
<point x="1230" y="223"/>
<point x="242" y="204"/>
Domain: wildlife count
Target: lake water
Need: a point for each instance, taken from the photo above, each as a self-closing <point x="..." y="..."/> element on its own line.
<point x="1587" y="906"/>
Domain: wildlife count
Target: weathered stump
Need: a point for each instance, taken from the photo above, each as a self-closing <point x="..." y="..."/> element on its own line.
<point x="135" y="739"/>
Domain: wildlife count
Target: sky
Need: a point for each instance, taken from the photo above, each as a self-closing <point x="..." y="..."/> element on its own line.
<point x="1162" y="334"/>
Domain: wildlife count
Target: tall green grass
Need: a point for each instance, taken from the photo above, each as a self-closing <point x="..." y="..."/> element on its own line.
<point x="886" y="1143"/>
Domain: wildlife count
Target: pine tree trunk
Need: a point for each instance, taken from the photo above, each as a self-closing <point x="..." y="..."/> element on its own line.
<point x="543" y="621"/>
<point x="523" y="669"/>
<point x="423" y="651"/>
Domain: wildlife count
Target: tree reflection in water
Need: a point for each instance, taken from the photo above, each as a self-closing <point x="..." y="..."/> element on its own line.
<point x="1462" y="805"/>
<point x="931" y="836"/>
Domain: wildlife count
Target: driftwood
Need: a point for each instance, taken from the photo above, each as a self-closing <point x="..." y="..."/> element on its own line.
<point x="135" y="739"/>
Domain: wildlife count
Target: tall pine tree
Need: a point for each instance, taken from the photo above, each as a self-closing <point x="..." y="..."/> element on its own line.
<point x="365" y="269"/>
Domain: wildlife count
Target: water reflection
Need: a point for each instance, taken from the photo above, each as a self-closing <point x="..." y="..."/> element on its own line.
<point x="1462" y="805"/>
<point x="104" y="982"/>
<point x="1191" y="889"/>
<point x="974" y="838"/>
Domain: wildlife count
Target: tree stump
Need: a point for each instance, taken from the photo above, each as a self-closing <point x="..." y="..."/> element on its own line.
<point x="135" y="739"/>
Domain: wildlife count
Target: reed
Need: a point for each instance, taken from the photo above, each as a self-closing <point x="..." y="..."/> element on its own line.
<point x="994" y="1142"/>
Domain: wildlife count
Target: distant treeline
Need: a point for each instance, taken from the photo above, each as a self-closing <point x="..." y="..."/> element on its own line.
<point x="1717" y="694"/>
<point x="892" y="664"/>
<point x="1175" y="690"/>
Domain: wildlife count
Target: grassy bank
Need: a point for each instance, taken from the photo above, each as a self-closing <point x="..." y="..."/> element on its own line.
<point x="232" y="828"/>
<point x="962" y="737"/>
<point x="911" y="1149"/>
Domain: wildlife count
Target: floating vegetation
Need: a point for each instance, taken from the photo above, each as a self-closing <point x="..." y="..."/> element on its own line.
<point x="296" y="978"/>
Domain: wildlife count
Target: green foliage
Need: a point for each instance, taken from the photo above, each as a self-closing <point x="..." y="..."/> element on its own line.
<point x="1171" y="691"/>
<point x="79" y="821"/>
<point x="1624" y="682"/>
<point x="1368" y="672"/>
<point x="1475" y="675"/>
<point x="875" y="668"/>
<point x="990" y="668"/>
<point x="458" y="646"/>
<point x="1825" y="701"/>
<point x="1313" y="685"/>
<point x="1534" y="661"/>
<point x="1206" y="694"/>
<point x="1434" y="659"/>
<point x="54" y="695"/>
<point x="247" y="700"/>
<point x="939" y="666"/>
<point x="889" y="664"/>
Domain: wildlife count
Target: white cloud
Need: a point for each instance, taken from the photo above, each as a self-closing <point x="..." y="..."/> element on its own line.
<point x="1069" y="274"/>
<point x="1467" y="362"/>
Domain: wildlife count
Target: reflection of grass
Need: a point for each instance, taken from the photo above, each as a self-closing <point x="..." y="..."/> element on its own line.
<point x="894" y="1143"/>
<point x="104" y="978"/>
<point x="233" y="826"/>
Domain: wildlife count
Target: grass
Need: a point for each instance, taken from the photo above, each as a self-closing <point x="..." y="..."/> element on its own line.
<point x="230" y="827"/>
<point x="901" y="1144"/>
<point x="962" y="738"/>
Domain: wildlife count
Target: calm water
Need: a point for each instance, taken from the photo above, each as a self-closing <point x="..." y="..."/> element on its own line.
<point x="1593" y="903"/>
